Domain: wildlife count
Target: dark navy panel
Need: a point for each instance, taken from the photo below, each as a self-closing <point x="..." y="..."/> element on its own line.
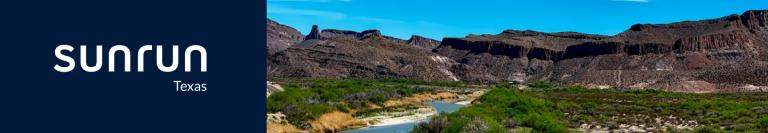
<point x="36" y="98"/>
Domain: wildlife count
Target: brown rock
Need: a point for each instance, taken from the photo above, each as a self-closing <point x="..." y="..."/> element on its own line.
<point x="423" y="42"/>
<point x="725" y="52"/>
<point x="280" y="37"/>
<point x="314" y="33"/>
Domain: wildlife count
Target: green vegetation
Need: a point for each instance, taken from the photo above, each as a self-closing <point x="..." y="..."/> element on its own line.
<point x="547" y="107"/>
<point x="498" y="110"/>
<point x="305" y="99"/>
<point x="740" y="112"/>
<point x="542" y="107"/>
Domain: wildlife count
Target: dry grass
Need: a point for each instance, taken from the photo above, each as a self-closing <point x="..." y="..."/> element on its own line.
<point x="419" y="98"/>
<point x="273" y="127"/>
<point x="335" y="122"/>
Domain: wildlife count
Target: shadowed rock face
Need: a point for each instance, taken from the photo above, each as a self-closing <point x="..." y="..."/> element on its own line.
<point x="714" y="54"/>
<point x="755" y="20"/>
<point x="423" y="42"/>
<point x="335" y="33"/>
<point x="646" y="55"/>
<point x="280" y="37"/>
<point x="344" y="54"/>
<point x="314" y="33"/>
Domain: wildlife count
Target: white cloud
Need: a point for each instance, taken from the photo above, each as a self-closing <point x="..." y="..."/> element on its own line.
<point x="638" y="1"/>
<point x="305" y="12"/>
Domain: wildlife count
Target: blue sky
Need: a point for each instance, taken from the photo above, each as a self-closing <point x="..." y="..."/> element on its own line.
<point x="457" y="18"/>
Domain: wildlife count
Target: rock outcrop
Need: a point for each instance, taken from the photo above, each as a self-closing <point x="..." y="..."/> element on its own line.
<point x="314" y="33"/>
<point x="346" y="34"/>
<point x="335" y="53"/>
<point x="652" y="55"/>
<point x="755" y="20"/>
<point x="713" y="54"/>
<point x="273" y="88"/>
<point x="280" y="37"/>
<point x="423" y="42"/>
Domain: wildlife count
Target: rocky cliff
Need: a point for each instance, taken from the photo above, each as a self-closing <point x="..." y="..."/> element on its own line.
<point x="314" y="33"/>
<point x="645" y="55"/>
<point x="423" y="42"/>
<point x="700" y="56"/>
<point x="332" y="53"/>
<point x="280" y="37"/>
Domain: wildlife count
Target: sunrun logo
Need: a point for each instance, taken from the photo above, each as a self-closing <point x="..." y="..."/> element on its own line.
<point x="71" y="63"/>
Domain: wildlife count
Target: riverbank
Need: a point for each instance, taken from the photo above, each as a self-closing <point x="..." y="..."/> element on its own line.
<point x="422" y="111"/>
<point x="413" y="109"/>
<point x="333" y="105"/>
<point x="395" y="118"/>
<point x="402" y="124"/>
<point x="342" y="122"/>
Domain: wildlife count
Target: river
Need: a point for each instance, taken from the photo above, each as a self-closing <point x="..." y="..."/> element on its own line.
<point x="440" y="106"/>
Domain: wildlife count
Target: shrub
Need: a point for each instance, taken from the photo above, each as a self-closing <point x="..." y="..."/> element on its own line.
<point x="709" y="129"/>
<point x="541" y="85"/>
<point x="763" y="123"/>
<point x="499" y="106"/>
<point x="304" y="100"/>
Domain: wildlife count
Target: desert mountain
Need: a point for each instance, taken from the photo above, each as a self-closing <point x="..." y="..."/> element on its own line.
<point x="332" y="53"/>
<point x="721" y="54"/>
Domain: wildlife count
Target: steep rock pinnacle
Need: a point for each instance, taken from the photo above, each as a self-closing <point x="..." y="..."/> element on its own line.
<point x="314" y="33"/>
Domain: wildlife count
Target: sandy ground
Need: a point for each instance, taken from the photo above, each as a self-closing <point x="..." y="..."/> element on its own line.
<point x="417" y="115"/>
<point x="421" y="114"/>
<point x="466" y="102"/>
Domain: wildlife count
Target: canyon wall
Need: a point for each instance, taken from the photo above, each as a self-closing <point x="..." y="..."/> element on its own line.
<point x="719" y="53"/>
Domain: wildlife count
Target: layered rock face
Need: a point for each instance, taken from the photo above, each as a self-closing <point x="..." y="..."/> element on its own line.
<point x="719" y="54"/>
<point x="755" y="20"/>
<point x="334" y="53"/>
<point x="660" y="55"/>
<point x="280" y="37"/>
<point x="423" y="42"/>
